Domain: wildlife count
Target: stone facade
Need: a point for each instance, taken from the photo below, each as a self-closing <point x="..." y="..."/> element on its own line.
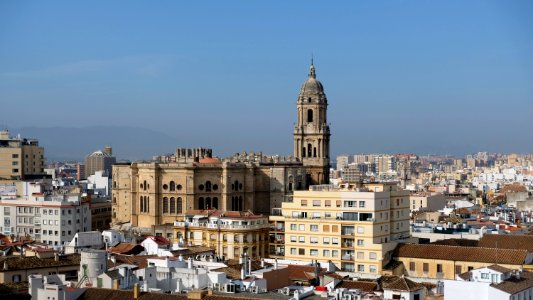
<point x="153" y="193"/>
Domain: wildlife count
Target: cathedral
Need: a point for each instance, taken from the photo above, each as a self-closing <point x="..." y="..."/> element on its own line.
<point x="162" y="190"/>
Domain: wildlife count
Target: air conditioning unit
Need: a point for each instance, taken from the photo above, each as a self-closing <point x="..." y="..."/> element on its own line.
<point x="209" y="285"/>
<point x="254" y="289"/>
<point x="264" y="290"/>
<point x="243" y="289"/>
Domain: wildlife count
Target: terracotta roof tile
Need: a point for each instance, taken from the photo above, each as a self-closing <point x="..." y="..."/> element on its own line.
<point x="33" y="262"/>
<point x="109" y="294"/>
<point x="367" y="286"/>
<point x="515" y="284"/>
<point x="400" y="284"/>
<point x="457" y="253"/>
<point x="524" y="242"/>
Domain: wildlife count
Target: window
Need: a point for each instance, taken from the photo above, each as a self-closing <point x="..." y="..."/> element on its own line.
<point x="304" y="203"/>
<point x="309" y="115"/>
<point x="360" y="229"/>
<point x="314" y="228"/>
<point x="301" y="239"/>
<point x="313" y="252"/>
<point x="412" y="266"/>
<point x="350" y="203"/>
<point x="172" y="205"/>
<point x="334" y="253"/>
<point x="165" y="205"/>
<point x="314" y="240"/>
<point x="360" y="255"/>
<point x="294" y="227"/>
<point x="372" y="255"/>
<point x="425" y="267"/>
<point x="360" y="268"/>
<point x="316" y="203"/>
<point x="484" y="275"/>
<point x="338" y="203"/>
<point x="301" y="251"/>
<point x="172" y="186"/>
<point x="361" y="204"/>
<point x="373" y="269"/>
<point x="458" y="270"/>
<point x="180" y="204"/>
<point x="293" y="251"/>
<point x="293" y="238"/>
<point x="325" y="253"/>
<point x="302" y="227"/>
<point x="360" y="242"/>
<point x="326" y="241"/>
<point x="439" y="268"/>
<point x="335" y="241"/>
<point x="325" y="228"/>
<point x="327" y="203"/>
<point x="316" y="215"/>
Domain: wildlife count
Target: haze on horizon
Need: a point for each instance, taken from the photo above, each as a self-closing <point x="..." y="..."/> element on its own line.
<point x="400" y="76"/>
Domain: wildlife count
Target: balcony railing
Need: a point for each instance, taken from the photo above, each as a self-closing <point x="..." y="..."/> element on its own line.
<point x="220" y="226"/>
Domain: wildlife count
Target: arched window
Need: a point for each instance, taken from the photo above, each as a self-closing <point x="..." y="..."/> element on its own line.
<point x="180" y="205"/>
<point x="240" y="204"/>
<point x="215" y="202"/>
<point x="144" y="185"/>
<point x="165" y="205"/>
<point x="208" y="203"/>
<point x="141" y="201"/>
<point x="172" y="205"/>
<point x="172" y="186"/>
<point x="309" y="150"/>
<point x="179" y="187"/>
<point x="309" y="115"/>
<point x="309" y="99"/>
<point x="303" y="152"/>
<point x="147" y="204"/>
<point x="314" y="151"/>
<point x="208" y="186"/>
<point x="201" y="203"/>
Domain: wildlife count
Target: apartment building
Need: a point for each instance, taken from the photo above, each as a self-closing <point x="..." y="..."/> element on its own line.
<point x="20" y="157"/>
<point x="231" y="233"/>
<point x="354" y="227"/>
<point x="52" y="218"/>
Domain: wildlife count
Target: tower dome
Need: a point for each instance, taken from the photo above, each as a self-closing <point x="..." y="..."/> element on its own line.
<point x="312" y="86"/>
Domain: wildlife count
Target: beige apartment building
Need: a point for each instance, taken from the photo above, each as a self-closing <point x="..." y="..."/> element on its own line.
<point x="20" y="158"/>
<point x="230" y="233"/>
<point x="356" y="228"/>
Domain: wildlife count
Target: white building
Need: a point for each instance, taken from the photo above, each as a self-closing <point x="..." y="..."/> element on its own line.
<point x="49" y="217"/>
<point x="51" y="287"/>
<point x="492" y="283"/>
<point x="85" y="240"/>
<point x="176" y="275"/>
<point x="156" y="245"/>
<point x="98" y="184"/>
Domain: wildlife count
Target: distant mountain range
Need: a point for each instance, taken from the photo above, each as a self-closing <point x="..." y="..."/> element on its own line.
<point x="73" y="144"/>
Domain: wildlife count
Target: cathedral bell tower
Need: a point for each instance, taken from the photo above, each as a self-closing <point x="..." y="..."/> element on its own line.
<point x="311" y="133"/>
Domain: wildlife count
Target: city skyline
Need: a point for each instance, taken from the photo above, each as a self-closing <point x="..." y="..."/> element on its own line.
<point x="203" y="75"/>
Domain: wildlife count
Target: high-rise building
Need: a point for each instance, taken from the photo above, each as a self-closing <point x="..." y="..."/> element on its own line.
<point x="100" y="161"/>
<point x="20" y="158"/>
<point x="343" y="161"/>
<point x="354" y="227"/>
<point x="311" y="133"/>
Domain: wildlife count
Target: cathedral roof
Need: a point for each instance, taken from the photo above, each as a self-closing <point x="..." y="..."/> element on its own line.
<point x="312" y="85"/>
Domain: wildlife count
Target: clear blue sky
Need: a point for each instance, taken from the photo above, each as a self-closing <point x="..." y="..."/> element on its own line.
<point x="400" y="76"/>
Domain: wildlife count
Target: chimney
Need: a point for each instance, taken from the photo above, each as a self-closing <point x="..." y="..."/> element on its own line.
<point x="275" y="264"/>
<point x="262" y="262"/>
<point x="5" y="264"/>
<point x="241" y="259"/>
<point x="189" y="263"/>
<point x="56" y="256"/>
<point x="136" y="291"/>
<point x="115" y="284"/>
<point x="243" y="272"/>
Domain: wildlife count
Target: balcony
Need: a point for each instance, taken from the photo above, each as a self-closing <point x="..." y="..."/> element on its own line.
<point x="220" y="226"/>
